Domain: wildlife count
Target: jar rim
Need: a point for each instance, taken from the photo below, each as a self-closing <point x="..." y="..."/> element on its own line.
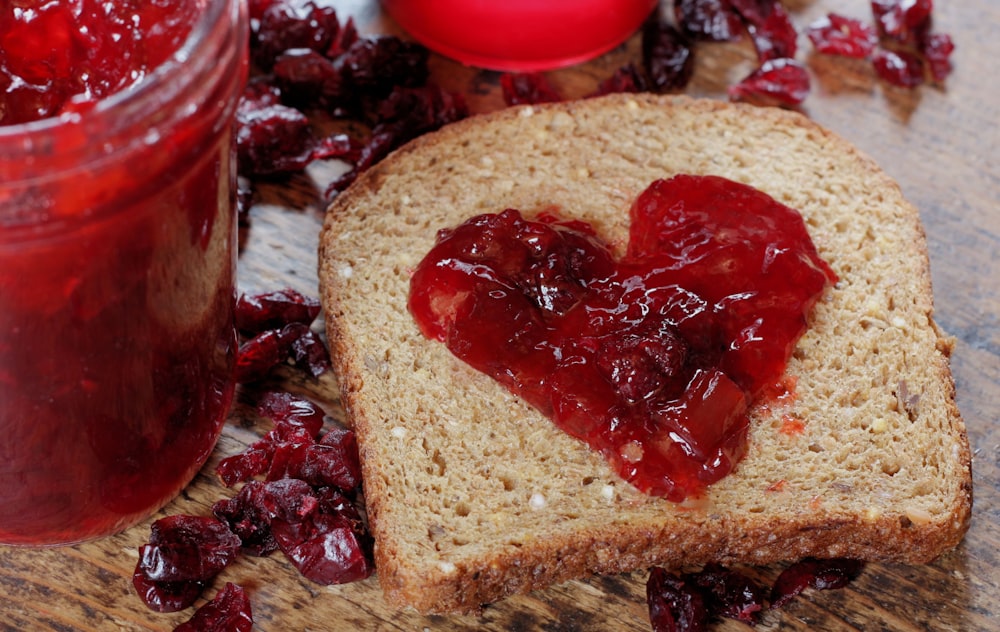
<point x="195" y="87"/>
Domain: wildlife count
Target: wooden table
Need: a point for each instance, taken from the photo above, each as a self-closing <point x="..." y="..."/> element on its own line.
<point x="940" y="144"/>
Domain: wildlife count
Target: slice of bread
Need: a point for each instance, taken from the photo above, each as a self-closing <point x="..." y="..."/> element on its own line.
<point x="473" y="495"/>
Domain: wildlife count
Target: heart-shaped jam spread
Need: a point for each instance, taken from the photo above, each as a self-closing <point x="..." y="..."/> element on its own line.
<point x="653" y="359"/>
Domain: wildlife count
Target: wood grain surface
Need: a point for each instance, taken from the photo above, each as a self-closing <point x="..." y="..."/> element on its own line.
<point x="941" y="144"/>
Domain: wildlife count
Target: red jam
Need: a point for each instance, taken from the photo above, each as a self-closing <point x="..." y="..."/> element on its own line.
<point x="653" y="359"/>
<point x="62" y="56"/>
<point x="117" y="256"/>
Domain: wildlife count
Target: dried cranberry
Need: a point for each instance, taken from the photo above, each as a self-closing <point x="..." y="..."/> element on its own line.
<point x="419" y="110"/>
<point x="377" y="65"/>
<point x="288" y="24"/>
<point x="328" y="551"/>
<point x="290" y="411"/>
<point x="345" y="38"/>
<point x="286" y="454"/>
<point x="667" y="56"/>
<point x="333" y="462"/>
<point x="256" y="8"/>
<point x="187" y="548"/>
<point x="264" y="352"/>
<point x="843" y="36"/>
<point x="899" y="67"/>
<point x="903" y="21"/>
<point x="344" y="443"/>
<point x="730" y="593"/>
<point x="319" y="530"/>
<point x="297" y="421"/>
<point x="526" y="88"/>
<point x="302" y="508"/>
<point x="229" y="611"/>
<point x="337" y="145"/>
<point x="402" y="116"/>
<point x="380" y="144"/>
<point x="327" y="544"/>
<point x="247" y="518"/>
<point x="183" y="555"/>
<point x="259" y="457"/>
<point x="675" y="605"/>
<point x="308" y="79"/>
<point x="260" y="355"/>
<point x="245" y="465"/>
<point x="813" y="573"/>
<point x="712" y="20"/>
<point x="250" y="513"/>
<point x="166" y="596"/>
<point x="287" y="499"/>
<point x="937" y="49"/>
<point x="272" y="139"/>
<point x="259" y="92"/>
<point x="627" y="78"/>
<point x="270" y="310"/>
<point x="309" y="353"/>
<point x="779" y="81"/>
<point x="770" y="27"/>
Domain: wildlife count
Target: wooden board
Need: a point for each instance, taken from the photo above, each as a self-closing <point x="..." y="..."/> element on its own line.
<point x="940" y="144"/>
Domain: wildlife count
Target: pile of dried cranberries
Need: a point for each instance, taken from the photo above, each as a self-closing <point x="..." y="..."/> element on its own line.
<point x="900" y="43"/>
<point x="307" y="60"/>
<point x="689" y="601"/>
<point x="300" y="493"/>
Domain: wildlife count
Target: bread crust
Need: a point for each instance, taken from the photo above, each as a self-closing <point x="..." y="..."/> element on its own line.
<point x="882" y="472"/>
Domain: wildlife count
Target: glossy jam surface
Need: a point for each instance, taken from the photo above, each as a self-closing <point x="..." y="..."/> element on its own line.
<point x="520" y="35"/>
<point x="652" y="359"/>
<point x="117" y="267"/>
<point x="62" y="56"/>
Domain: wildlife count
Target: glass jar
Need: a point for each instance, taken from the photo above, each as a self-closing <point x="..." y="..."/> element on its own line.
<point x="117" y="291"/>
<point x="520" y="35"/>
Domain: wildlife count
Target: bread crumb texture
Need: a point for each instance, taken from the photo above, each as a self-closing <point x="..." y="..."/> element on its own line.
<point x="473" y="495"/>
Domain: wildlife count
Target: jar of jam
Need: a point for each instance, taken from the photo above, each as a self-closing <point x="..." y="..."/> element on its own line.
<point x="117" y="257"/>
<point x="520" y="35"/>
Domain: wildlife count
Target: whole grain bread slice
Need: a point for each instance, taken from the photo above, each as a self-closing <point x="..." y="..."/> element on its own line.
<point x="472" y="495"/>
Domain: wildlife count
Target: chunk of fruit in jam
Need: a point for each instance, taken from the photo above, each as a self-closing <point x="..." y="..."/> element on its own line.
<point x="653" y="359"/>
